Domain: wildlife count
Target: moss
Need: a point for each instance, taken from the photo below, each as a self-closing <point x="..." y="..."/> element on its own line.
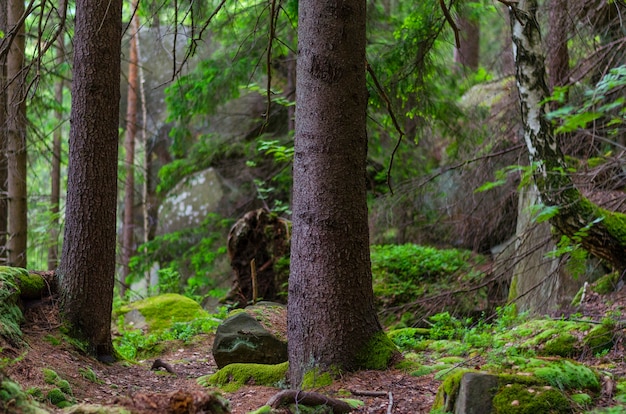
<point x="606" y="284"/>
<point x="521" y="399"/>
<point x="378" y="353"/>
<point x="58" y="398"/>
<point x="49" y="376"/>
<point x="233" y="376"/>
<point x="567" y="375"/>
<point x="64" y="386"/>
<point x="582" y="399"/>
<point x="162" y="311"/>
<point x="266" y="409"/>
<point x="316" y="378"/>
<point x="31" y="284"/>
<point x="408" y="338"/>
<point x="564" y="344"/>
<point x="601" y="338"/>
<point x="448" y="390"/>
<point x="10" y="314"/>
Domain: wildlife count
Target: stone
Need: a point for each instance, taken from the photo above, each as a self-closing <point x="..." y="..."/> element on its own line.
<point x="476" y="393"/>
<point x="242" y="339"/>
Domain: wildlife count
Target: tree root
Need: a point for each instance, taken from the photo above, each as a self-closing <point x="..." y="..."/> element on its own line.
<point x="308" y="398"/>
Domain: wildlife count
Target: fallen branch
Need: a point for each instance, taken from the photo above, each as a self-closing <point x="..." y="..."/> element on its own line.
<point x="308" y="398"/>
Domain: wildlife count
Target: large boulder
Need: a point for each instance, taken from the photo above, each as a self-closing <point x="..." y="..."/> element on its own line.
<point x="241" y="338"/>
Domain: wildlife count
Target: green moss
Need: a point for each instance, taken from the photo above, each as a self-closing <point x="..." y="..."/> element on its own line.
<point x="162" y="311"/>
<point x="316" y="378"/>
<point x="408" y="338"/>
<point x="606" y="284"/>
<point x="31" y="284"/>
<point x="64" y="386"/>
<point x="49" y="376"/>
<point x="601" y="338"/>
<point x="266" y="409"/>
<point x="448" y="390"/>
<point x="58" y="398"/>
<point x="521" y="399"/>
<point x="582" y="399"/>
<point x="10" y="314"/>
<point x="568" y="375"/>
<point x="233" y="376"/>
<point x="564" y="344"/>
<point x="378" y="353"/>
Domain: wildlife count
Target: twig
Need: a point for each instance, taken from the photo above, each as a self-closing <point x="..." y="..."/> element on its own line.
<point x="390" y="406"/>
<point x="393" y="119"/>
<point x="367" y="393"/>
<point x="453" y="25"/>
<point x="255" y="288"/>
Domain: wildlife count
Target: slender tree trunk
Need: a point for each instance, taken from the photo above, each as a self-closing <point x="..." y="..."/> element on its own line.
<point x="332" y="319"/>
<point x="603" y="230"/>
<point x="17" y="226"/>
<point x="87" y="270"/>
<point x="128" y="228"/>
<point x="4" y="135"/>
<point x="55" y="175"/>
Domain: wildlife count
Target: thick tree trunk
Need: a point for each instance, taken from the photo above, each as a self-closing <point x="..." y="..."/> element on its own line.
<point x="332" y="318"/>
<point x="601" y="232"/>
<point x="87" y="268"/>
<point x="16" y="142"/>
<point x="128" y="228"/>
<point x="3" y="140"/>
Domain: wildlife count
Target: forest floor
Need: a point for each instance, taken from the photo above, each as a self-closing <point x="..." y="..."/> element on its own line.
<point x="142" y="390"/>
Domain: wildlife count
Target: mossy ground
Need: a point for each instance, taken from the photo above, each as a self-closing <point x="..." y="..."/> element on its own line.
<point x="233" y="376"/>
<point x="162" y="311"/>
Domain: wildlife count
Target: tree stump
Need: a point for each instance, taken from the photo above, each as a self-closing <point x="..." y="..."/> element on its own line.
<point x="258" y="248"/>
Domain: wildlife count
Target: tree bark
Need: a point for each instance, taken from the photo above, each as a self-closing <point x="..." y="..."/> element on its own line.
<point x="17" y="225"/>
<point x="468" y="53"/>
<point x="331" y="308"/>
<point x="3" y="140"/>
<point x="558" y="62"/>
<point x="128" y="228"/>
<point x="601" y="232"/>
<point x="87" y="268"/>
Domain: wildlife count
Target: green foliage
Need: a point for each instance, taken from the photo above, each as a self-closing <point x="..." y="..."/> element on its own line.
<point x="135" y="344"/>
<point x="401" y="272"/>
<point x="197" y="249"/>
<point x="408" y="339"/>
<point x="603" y="337"/>
<point x="603" y="101"/>
<point x="10" y="313"/>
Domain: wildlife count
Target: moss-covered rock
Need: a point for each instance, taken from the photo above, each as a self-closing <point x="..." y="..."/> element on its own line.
<point x="449" y="390"/>
<point x="10" y="314"/>
<point x="162" y="311"/>
<point x="14" y="400"/>
<point x="233" y="376"/>
<point x="521" y="399"/>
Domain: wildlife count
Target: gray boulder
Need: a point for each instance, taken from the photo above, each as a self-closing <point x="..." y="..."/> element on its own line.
<point x="476" y="392"/>
<point x="242" y="339"/>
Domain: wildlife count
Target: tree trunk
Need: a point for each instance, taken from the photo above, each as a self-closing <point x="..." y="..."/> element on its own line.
<point x="332" y="319"/>
<point x="4" y="134"/>
<point x="87" y="268"/>
<point x="128" y="228"/>
<point x="558" y="61"/>
<point x="16" y="142"/>
<point x="601" y="232"/>
<point x="55" y="174"/>
<point x="468" y="53"/>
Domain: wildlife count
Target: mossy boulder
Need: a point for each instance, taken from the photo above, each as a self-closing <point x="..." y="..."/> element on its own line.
<point x="241" y="338"/>
<point x="233" y="376"/>
<point x="160" y="312"/>
<point x="521" y="399"/>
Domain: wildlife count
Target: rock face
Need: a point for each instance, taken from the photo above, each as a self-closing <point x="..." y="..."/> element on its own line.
<point x="476" y="392"/>
<point x="241" y="338"/>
